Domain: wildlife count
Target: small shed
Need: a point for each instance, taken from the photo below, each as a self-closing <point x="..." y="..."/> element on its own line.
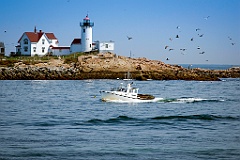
<point x="2" y="49"/>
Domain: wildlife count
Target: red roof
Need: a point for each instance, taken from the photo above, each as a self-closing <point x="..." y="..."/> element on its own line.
<point x="34" y="37"/>
<point x="76" y="41"/>
<point x="50" y="36"/>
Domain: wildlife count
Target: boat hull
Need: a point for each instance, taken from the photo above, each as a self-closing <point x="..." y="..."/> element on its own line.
<point x="113" y="97"/>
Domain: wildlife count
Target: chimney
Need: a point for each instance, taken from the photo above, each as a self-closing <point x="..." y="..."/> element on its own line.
<point x="40" y="31"/>
<point x="35" y="29"/>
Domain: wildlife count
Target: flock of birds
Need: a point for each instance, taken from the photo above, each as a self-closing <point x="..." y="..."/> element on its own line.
<point x="182" y="50"/>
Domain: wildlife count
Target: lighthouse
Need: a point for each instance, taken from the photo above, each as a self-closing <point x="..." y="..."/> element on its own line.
<point x="86" y="34"/>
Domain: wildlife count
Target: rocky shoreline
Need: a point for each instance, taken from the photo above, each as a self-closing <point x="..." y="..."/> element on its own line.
<point x="110" y="66"/>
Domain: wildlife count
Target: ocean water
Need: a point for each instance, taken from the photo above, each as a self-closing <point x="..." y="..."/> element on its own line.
<point x="209" y="66"/>
<point x="67" y="120"/>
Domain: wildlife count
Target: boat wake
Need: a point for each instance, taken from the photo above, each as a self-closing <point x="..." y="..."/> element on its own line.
<point x="170" y="100"/>
<point x="188" y="100"/>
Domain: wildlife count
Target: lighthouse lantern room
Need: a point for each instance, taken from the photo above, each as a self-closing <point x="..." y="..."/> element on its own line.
<point x="86" y="34"/>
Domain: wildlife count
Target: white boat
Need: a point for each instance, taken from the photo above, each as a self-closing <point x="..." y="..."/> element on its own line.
<point x="128" y="94"/>
<point x="128" y="77"/>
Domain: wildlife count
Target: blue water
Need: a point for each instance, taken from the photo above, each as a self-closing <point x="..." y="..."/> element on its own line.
<point x="210" y="66"/>
<point x="67" y="120"/>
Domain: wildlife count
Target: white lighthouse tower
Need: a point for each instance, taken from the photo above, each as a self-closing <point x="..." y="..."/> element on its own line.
<point x="86" y="34"/>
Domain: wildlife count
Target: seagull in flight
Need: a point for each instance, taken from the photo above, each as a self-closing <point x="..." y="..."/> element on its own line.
<point x="166" y="47"/>
<point x="167" y="59"/>
<point x="177" y="36"/>
<point x="206" y="18"/>
<point x="191" y="39"/>
<point x="200" y="35"/>
<point x="177" y="27"/>
<point x="197" y="29"/>
<point x="171" y="49"/>
<point x="201" y="52"/>
<point x="129" y="38"/>
<point x="183" y="49"/>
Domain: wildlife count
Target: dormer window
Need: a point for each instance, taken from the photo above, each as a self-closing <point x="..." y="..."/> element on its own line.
<point x="25" y="41"/>
<point x="43" y="41"/>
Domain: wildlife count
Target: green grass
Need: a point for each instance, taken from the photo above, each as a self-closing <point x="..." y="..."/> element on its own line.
<point x="9" y="61"/>
<point x="74" y="56"/>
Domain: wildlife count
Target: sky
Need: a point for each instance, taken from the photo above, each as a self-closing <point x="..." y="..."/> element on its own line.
<point x="152" y="24"/>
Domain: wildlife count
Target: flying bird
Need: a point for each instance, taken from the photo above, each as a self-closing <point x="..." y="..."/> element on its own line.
<point x="166" y="47"/>
<point x="170" y="39"/>
<point x="206" y="18"/>
<point x="177" y="27"/>
<point x="171" y="49"/>
<point x="200" y="35"/>
<point x="177" y="36"/>
<point x="197" y="29"/>
<point x="198" y="47"/>
<point x="201" y="52"/>
<point x="191" y="39"/>
<point x="232" y="43"/>
<point x="183" y="49"/>
<point x="129" y="38"/>
<point x="167" y="59"/>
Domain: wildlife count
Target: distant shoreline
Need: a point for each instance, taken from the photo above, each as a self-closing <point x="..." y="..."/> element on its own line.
<point x="209" y="66"/>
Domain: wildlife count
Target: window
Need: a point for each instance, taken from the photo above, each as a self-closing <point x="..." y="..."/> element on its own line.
<point x="83" y="30"/>
<point x="106" y="45"/>
<point x="43" y="48"/>
<point x="34" y="49"/>
<point x="90" y="45"/>
<point x="25" y="41"/>
<point x="25" y="49"/>
<point x="43" y="41"/>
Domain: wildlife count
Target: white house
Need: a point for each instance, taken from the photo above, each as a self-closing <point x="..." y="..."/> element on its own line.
<point x="38" y="43"/>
